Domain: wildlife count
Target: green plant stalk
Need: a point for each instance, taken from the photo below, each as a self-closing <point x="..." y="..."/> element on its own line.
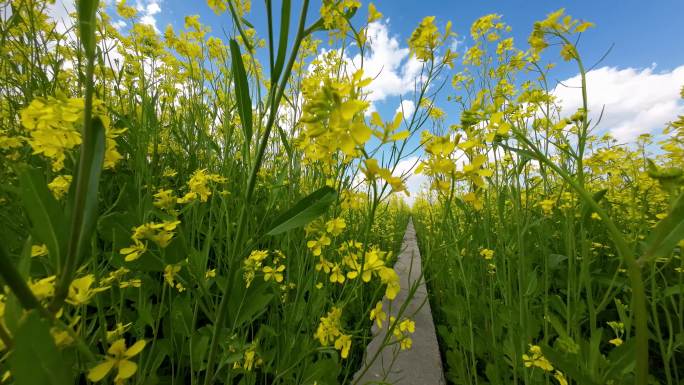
<point x="633" y="267"/>
<point x="251" y="184"/>
<point x="6" y="338"/>
<point x="83" y="175"/>
<point x="28" y="301"/>
<point x="16" y="283"/>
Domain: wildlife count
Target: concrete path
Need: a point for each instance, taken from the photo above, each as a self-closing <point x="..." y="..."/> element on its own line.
<point x="421" y="365"/>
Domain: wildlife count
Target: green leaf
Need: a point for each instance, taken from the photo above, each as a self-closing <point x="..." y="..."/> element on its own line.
<point x="87" y="10"/>
<point x="323" y="372"/>
<point x="199" y="346"/>
<point x="283" y="139"/>
<point x="24" y="264"/>
<point x="246" y="304"/>
<point x="569" y="364"/>
<point x="555" y="260"/>
<point x="597" y="197"/>
<point x="35" y="359"/>
<point x="668" y="232"/>
<point x="13" y="307"/>
<point x="247" y="23"/>
<point x="672" y="290"/>
<point x="622" y="360"/>
<point x="282" y="43"/>
<point x="532" y="284"/>
<point x="94" y="158"/>
<point x="21" y="294"/>
<point x="304" y="211"/>
<point x="49" y="225"/>
<point x="244" y="103"/>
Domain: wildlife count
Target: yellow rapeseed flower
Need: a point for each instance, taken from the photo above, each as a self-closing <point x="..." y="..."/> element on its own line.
<point x="39" y="250"/>
<point x="378" y="314"/>
<point x="536" y="358"/>
<point x="343" y="344"/>
<point x="60" y="185"/>
<point x="117" y="356"/>
<point x="80" y="291"/>
<point x="274" y="273"/>
<point x="487" y="254"/>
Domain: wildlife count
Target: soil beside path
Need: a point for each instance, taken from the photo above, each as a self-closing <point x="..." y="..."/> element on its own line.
<point x="420" y="365"/>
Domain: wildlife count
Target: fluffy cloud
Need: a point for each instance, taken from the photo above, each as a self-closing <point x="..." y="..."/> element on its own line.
<point x="414" y="182"/>
<point x="148" y="9"/>
<point x="59" y="12"/>
<point x="637" y="101"/>
<point x="407" y="107"/>
<point x="61" y="9"/>
<point x="119" y="24"/>
<point x="388" y="63"/>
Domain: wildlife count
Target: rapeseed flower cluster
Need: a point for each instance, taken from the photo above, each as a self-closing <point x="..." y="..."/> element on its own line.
<point x="198" y="186"/>
<point x="54" y="128"/>
<point x="426" y="38"/>
<point x="256" y="264"/>
<point x="402" y="332"/>
<point x="619" y="330"/>
<point x="334" y="15"/>
<point x="374" y="171"/>
<point x="535" y="358"/>
<point x="332" y="117"/>
<point x="352" y="259"/>
<point x="170" y="272"/>
<point x="330" y="331"/>
<point x="160" y="233"/>
<point x="556" y="23"/>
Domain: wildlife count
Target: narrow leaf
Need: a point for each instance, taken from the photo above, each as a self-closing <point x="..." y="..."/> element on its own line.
<point x="597" y="197"/>
<point x="35" y="359"/>
<point x="283" y="37"/>
<point x="244" y="103"/>
<point x="306" y="210"/>
<point x="87" y="10"/>
<point x="94" y="158"/>
<point x="47" y="219"/>
<point x="668" y="232"/>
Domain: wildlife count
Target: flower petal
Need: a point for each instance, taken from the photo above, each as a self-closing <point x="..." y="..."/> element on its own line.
<point x="117" y="348"/>
<point x="135" y="349"/>
<point x="100" y="370"/>
<point x="126" y="370"/>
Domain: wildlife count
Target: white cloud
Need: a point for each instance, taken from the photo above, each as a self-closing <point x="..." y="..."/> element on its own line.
<point x="59" y="12"/>
<point x="457" y="43"/>
<point x="152" y="8"/>
<point x="386" y="62"/>
<point x="393" y="72"/>
<point x="414" y="182"/>
<point x="119" y="24"/>
<point x="149" y="20"/>
<point x="147" y="10"/>
<point x="407" y="107"/>
<point x="636" y="101"/>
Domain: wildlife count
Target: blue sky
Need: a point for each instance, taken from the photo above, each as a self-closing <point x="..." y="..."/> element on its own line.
<point x="645" y="37"/>
<point x="642" y="32"/>
<point x="638" y="83"/>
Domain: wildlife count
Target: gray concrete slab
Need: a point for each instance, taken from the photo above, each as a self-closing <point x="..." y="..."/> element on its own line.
<point x="420" y="365"/>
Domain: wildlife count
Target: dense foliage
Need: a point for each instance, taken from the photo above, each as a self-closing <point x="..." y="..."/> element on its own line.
<point x="171" y="214"/>
<point x="176" y="211"/>
<point x="551" y="254"/>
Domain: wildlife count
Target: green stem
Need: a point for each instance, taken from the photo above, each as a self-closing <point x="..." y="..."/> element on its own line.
<point x="633" y="266"/>
<point x="84" y="164"/>
<point x="16" y="283"/>
<point x="274" y="103"/>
